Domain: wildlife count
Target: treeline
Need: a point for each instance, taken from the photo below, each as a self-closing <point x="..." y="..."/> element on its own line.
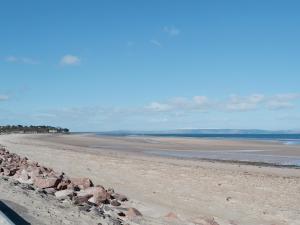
<point x="32" y="129"/>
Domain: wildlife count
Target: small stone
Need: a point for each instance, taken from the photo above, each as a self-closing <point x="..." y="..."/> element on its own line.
<point x="120" y="197"/>
<point x="99" y="197"/>
<point x="26" y="186"/>
<point x="46" y="182"/>
<point x="133" y="213"/>
<point x="79" y="200"/>
<point x="115" y="202"/>
<point x="171" y="215"/>
<point x="85" y="207"/>
<point x="50" y="191"/>
<point x="82" y="183"/>
<point x="64" y="194"/>
<point x="63" y="185"/>
<point x="110" y="191"/>
<point x="121" y="214"/>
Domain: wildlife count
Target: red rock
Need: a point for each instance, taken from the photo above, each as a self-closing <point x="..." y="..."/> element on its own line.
<point x="82" y="183"/>
<point x="35" y="172"/>
<point x="133" y="213"/>
<point x="99" y="197"/>
<point x="71" y="186"/>
<point x="98" y="194"/>
<point x="46" y="182"/>
<point x="171" y="215"/>
<point x="92" y="190"/>
<point x="111" y="191"/>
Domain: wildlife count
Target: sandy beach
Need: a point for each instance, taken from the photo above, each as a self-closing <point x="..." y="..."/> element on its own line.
<point x="196" y="191"/>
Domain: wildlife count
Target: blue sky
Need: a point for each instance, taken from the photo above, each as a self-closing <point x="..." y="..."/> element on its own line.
<point x="150" y="65"/>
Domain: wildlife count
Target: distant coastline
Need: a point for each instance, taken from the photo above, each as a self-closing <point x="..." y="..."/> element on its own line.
<point x="289" y="138"/>
<point x="8" y="129"/>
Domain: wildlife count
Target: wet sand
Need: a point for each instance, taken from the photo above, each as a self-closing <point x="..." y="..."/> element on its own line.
<point x="198" y="192"/>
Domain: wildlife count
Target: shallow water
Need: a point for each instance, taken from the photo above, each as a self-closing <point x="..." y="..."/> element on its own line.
<point x="236" y="155"/>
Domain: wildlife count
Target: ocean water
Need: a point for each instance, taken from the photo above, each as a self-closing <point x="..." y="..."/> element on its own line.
<point x="253" y="155"/>
<point x="289" y="139"/>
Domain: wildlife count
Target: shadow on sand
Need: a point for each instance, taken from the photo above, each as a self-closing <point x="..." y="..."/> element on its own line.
<point x="12" y="215"/>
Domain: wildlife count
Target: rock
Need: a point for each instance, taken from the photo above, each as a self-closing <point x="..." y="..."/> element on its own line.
<point x="115" y="202"/>
<point x="110" y="191"/>
<point x="91" y="190"/>
<point x="50" y="182"/>
<point x="23" y="177"/>
<point x="26" y="187"/>
<point x="35" y="172"/>
<point x="99" y="197"/>
<point x="63" y="185"/>
<point x="111" y="220"/>
<point x="99" y="194"/>
<point x="122" y="214"/>
<point x="82" y="183"/>
<point x="205" y="221"/>
<point x="9" y="172"/>
<point x="85" y="207"/>
<point x="120" y="197"/>
<point x="64" y="194"/>
<point x="133" y="213"/>
<point x="49" y="191"/>
<point x="171" y="215"/>
<point x="25" y="181"/>
<point x="228" y="199"/>
<point x="79" y="200"/>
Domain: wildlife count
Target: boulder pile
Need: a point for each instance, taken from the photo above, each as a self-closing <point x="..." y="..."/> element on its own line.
<point x="79" y="191"/>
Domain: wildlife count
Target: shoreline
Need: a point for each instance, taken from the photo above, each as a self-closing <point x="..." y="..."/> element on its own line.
<point x="170" y="153"/>
<point x="194" y="190"/>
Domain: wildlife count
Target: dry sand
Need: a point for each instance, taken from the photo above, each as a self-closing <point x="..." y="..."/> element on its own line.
<point x="198" y="192"/>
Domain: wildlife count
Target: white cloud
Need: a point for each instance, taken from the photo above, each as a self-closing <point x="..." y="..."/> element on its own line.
<point x="158" y="107"/>
<point x="155" y="42"/>
<point x="70" y="60"/>
<point x="282" y="101"/>
<point x="28" y="61"/>
<point x="237" y="103"/>
<point x="130" y="43"/>
<point x="11" y="59"/>
<point x="172" y="31"/>
<point x="25" y="60"/>
<point x="232" y="103"/>
<point x="4" y="97"/>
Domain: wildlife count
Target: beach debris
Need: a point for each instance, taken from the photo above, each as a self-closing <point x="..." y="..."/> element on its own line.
<point x="228" y="198"/>
<point x="30" y="175"/>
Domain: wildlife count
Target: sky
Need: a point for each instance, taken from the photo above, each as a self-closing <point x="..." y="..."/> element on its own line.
<point x="150" y="65"/>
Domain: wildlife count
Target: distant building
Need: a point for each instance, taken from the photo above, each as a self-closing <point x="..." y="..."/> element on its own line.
<point x="53" y="131"/>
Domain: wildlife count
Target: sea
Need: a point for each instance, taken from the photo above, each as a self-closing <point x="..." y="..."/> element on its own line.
<point x="286" y="138"/>
<point x="256" y="156"/>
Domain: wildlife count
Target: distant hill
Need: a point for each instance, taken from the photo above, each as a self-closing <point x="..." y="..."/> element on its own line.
<point x="202" y="131"/>
<point x="232" y="131"/>
<point x="31" y="129"/>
